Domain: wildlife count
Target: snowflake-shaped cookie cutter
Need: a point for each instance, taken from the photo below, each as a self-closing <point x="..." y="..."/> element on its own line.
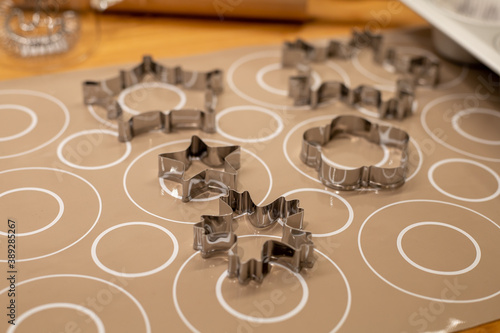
<point x="214" y="235"/>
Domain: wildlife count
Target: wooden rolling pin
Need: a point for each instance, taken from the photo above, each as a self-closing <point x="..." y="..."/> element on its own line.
<point x="293" y="10"/>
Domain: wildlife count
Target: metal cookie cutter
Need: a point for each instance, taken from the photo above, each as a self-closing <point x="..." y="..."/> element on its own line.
<point x="215" y="235"/>
<point x="424" y="69"/>
<point x="173" y="166"/>
<point x="104" y="93"/>
<point x="300" y="51"/>
<point x="365" y="176"/>
<point x="170" y="120"/>
<point x="421" y="69"/>
<point x="399" y="107"/>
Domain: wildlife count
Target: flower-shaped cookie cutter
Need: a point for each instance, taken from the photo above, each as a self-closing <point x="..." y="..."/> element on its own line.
<point x="362" y="177"/>
<point x="173" y="166"/>
<point x="214" y="235"/>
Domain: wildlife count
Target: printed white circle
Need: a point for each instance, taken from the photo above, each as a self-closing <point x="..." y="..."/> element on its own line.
<point x="261" y="320"/>
<point x="344" y="201"/>
<point x="270" y="54"/>
<point x="88" y="231"/>
<point x="417" y="50"/>
<point x="97" y="321"/>
<point x="277" y="66"/>
<point x="146" y="85"/>
<point x="37" y="189"/>
<point x="31" y="126"/>
<point x="244" y="108"/>
<point x="96" y="260"/>
<point x="433" y="271"/>
<point x="436" y="138"/>
<point x="343" y="74"/>
<point x="95" y="167"/>
<point x="188" y="141"/>
<point x="403" y="290"/>
<point x="92" y="278"/>
<point x="455" y="122"/>
<point x="311" y="120"/>
<point x="194" y="329"/>
<point x="430" y="175"/>
<point x="53" y="100"/>
<point x="100" y="119"/>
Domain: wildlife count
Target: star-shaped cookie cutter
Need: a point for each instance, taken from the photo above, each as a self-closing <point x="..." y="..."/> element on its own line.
<point x="104" y="93"/>
<point x="214" y="235"/>
<point x="173" y="166"/>
<point x="421" y="69"/>
<point x="362" y="177"/>
<point x="398" y="107"/>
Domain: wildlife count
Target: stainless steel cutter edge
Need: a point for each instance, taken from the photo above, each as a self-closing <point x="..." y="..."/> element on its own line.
<point x="421" y="69"/>
<point x="173" y="165"/>
<point x="170" y="121"/>
<point x="214" y="235"/>
<point x="398" y="107"/>
<point x="362" y="177"/>
<point x="103" y="93"/>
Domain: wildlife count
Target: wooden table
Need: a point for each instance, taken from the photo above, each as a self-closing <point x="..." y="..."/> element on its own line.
<point x="125" y="38"/>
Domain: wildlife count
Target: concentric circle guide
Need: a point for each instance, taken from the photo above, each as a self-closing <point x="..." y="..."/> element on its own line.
<point x="335" y="329"/>
<point x="418" y="295"/>
<point x="147" y="324"/>
<point x="78" y="177"/>
<point x="53" y="100"/>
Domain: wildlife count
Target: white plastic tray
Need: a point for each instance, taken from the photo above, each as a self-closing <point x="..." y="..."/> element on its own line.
<point x="479" y="36"/>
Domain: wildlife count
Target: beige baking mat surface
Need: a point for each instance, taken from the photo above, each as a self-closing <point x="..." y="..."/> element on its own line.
<point x="102" y="244"/>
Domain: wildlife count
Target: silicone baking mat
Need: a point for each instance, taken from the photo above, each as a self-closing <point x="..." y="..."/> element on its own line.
<point x="103" y="245"/>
